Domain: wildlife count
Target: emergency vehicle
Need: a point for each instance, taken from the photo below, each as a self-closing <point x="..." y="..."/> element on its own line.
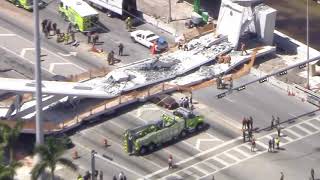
<point x="26" y="4"/>
<point x="79" y="13"/>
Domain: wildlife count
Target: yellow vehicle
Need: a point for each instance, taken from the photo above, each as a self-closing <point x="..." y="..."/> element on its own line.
<point x="79" y="13"/>
<point x="26" y="4"/>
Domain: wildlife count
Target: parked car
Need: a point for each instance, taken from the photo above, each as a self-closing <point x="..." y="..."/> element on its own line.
<point x="166" y="101"/>
<point x="146" y="38"/>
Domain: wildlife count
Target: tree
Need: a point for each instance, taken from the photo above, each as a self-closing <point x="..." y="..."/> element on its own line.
<point x="9" y="137"/>
<point x="50" y="153"/>
<point x="7" y="172"/>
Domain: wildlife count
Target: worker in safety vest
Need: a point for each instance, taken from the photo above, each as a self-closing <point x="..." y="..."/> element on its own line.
<point x="128" y="24"/>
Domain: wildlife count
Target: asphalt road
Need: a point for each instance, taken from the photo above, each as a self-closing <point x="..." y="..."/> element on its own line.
<point x="61" y="59"/>
<point x="220" y="142"/>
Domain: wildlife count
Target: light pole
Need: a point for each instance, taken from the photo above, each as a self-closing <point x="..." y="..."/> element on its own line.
<point x="37" y="69"/>
<point x="308" y="68"/>
<point x="169" y="18"/>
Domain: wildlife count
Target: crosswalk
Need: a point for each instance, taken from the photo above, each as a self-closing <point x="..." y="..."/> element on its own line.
<point x="243" y="152"/>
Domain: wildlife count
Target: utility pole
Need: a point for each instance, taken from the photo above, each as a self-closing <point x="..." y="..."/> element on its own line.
<point x="308" y="68"/>
<point x="169" y="18"/>
<point x="37" y="69"/>
<point x="93" y="169"/>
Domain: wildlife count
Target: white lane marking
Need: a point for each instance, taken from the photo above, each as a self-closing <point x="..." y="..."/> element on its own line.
<point x="310" y="124"/>
<point x="228" y="99"/>
<point x="194" y="156"/>
<point x="24" y="50"/>
<point x="287" y="138"/>
<point x="232" y="156"/>
<point x="262" y="144"/>
<point x="52" y="66"/>
<point x="190" y="145"/>
<point x="293" y="132"/>
<point x="304" y="129"/>
<point x="213" y="137"/>
<point x="221" y="160"/>
<point x="210" y="165"/>
<point x="30" y="42"/>
<point x="12" y="52"/>
<point x="100" y="133"/>
<point x="69" y="54"/>
<point x="199" y="141"/>
<point x="204" y="171"/>
<point x="7" y="35"/>
<point x="245" y="154"/>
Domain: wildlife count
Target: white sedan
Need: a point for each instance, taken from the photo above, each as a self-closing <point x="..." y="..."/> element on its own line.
<point x="147" y="38"/>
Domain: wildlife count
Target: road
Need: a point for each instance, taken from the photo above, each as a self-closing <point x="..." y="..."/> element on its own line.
<point x="213" y="151"/>
<point x="59" y="59"/>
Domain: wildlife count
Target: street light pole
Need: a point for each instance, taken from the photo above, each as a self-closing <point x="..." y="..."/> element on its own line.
<point x="37" y="69"/>
<point x="169" y="18"/>
<point x="93" y="168"/>
<point x="308" y="68"/>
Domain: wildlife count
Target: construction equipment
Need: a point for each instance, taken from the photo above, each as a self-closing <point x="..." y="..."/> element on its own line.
<point x="79" y="13"/>
<point x="198" y="16"/>
<point x="27" y="4"/>
<point x="146" y="138"/>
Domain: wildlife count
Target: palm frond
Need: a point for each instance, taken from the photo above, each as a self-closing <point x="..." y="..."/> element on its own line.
<point x="68" y="163"/>
<point x="37" y="170"/>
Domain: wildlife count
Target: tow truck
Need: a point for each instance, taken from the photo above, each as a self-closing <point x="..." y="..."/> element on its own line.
<point x="147" y="138"/>
<point x="27" y="4"/>
<point x="79" y="13"/>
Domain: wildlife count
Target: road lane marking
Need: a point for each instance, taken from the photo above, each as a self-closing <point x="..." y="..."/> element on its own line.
<point x="24" y="50"/>
<point x="293" y="132"/>
<point x="245" y="154"/>
<point x="199" y="141"/>
<point x="288" y="138"/>
<point x="12" y="52"/>
<point x="190" y="145"/>
<point x="52" y="66"/>
<point x="69" y="54"/>
<point x="310" y="124"/>
<point x="232" y="156"/>
<point x="60" y="57"/>
<point x="304" y="129"/>
<point x="5" y="35"/>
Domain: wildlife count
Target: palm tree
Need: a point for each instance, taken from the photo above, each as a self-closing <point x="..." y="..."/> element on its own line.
<point x="7" y="172"/>
<point x="9" y="137"/>
<point x="50" y="153"/>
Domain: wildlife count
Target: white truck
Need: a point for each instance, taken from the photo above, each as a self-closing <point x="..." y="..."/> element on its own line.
<point x="123" y="8"/>
<point x="147" y="38"/>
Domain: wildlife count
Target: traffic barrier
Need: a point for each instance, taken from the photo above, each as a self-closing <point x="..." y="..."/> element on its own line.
<point x="75" y="154"/>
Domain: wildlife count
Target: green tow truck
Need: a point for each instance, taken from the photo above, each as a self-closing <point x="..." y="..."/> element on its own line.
<point x="147" y="138"/>
<point x="27" y="4"/>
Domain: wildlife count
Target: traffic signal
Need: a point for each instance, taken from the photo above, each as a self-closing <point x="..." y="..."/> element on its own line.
<point x="302" y="66"/>
<point x="283" y="73"/>
<point x="263" y="80"/>
<point x="241" y="88"/>
<point x="219" y="96"/>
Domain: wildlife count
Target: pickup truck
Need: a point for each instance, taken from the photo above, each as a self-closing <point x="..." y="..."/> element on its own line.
<point x="147" y="38"/>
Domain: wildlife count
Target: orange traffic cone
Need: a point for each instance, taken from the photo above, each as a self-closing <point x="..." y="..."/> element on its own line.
<point x="75" y="154"/>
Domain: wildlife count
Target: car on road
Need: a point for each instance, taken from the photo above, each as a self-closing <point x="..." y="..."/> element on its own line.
<point x="147" y="38"/>
<point x="166" y="101"/>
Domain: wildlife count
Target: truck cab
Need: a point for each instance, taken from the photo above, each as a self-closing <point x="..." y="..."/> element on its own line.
<point x="27" y="4"/>
<point x="192" y="121"/>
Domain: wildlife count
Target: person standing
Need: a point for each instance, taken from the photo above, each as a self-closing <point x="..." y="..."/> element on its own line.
<point x="253" y="144"/>
<point x="89" y="37"/>
<point x="282" y="176"/>
<point x="54" y="28"/>
<point x="120" y="49"/>
<point x="270" y="145"/>
<point x="73" y="36"/>
<point x="312" y="174"/>
<point x="272" y="122"/>
<point x="49" y="27"/>
<point x="110" y="58"/>
<point x="114" y="177"/>
<point x="243" y="48"/>
<point x="101" y="175"/>
<point x="44" y="24"/>
<point x="170" y="162"/>
<point x="278" y="121"/>
<point x="279" y="130"/>
<point x="277" y="141"/>
<point x="244" y="135"/>
<point x="69" y="27"/>
<point x="250" y="122"/>
<point x="273" y="143"/>
<point x="244" y="123"/>
<point x="121" y="176"/>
